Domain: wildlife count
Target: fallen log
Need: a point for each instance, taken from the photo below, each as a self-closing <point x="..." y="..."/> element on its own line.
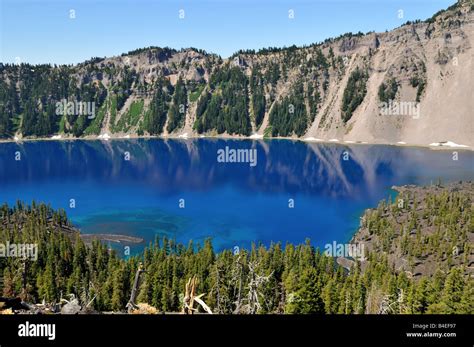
<point x="10" y="303"/>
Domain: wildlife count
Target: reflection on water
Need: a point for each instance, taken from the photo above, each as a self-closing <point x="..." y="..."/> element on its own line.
<point x="231" y="202"/>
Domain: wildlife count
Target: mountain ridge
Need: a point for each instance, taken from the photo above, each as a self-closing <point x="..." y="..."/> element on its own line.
<point x="348" y="89"/>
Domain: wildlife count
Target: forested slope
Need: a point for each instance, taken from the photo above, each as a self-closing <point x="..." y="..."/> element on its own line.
<point x="274" y="279"/>
<point x="332" y="89"/>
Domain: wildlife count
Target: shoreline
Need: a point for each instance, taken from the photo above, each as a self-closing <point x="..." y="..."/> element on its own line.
<point x="116" y="238"/>
<point x="438" y="146"/>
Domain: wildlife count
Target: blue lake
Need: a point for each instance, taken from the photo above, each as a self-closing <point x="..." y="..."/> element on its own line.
<point x="235" y="204"/>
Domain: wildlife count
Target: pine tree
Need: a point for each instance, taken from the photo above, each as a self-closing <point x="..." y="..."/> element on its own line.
<point x="177" y="111"/>
<point x="118" y="300"/>
<point x="453" y="290"/>
<point x="309" y="294"/>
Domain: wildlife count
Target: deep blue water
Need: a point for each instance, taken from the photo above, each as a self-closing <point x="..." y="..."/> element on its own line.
<point x="232" y="203"/>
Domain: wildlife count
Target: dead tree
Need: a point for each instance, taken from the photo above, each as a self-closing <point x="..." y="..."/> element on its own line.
<point x="24" y="290"/>
<point x="218" y="287"/>
<point x="388" y="306"/>
<point x="85" y="296"/>
<point x="133" y="296"/>
<point x="190" y="296"/>
<point x="255" y="283"/>
<point x="237" y="273"/>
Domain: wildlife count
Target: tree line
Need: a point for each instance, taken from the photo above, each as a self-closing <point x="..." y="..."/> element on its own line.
<point x="274" y="279"/>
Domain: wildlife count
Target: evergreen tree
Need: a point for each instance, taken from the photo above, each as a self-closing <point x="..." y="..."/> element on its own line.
<point x="354" y="93"/>
<point x="309" y="294"/>
<point x="177" y="111"/>
<point x="159" y="108"/>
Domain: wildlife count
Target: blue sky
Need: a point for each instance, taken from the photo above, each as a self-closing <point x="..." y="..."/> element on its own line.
<point x="42" y="31"/>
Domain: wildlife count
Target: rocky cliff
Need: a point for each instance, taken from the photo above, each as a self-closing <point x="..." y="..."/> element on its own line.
<point x="411" y="85"/>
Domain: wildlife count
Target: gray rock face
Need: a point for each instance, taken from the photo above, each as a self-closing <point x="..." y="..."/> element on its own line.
<point x="71" y="307"/>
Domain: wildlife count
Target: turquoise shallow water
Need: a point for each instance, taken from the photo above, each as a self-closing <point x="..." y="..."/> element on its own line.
<point x="235" y="204"/>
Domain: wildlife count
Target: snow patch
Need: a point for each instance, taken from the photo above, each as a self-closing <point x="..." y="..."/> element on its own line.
<point x="447" y="144"/>
<point x="105" y="137"/>
<point x="311" y="139"/>
<point x="256" y="136"/>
